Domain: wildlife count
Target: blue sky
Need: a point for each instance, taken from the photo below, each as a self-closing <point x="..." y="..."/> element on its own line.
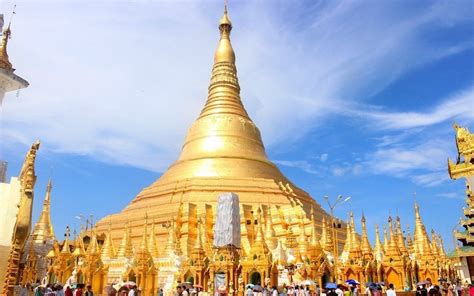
<point x="352" y="97"/>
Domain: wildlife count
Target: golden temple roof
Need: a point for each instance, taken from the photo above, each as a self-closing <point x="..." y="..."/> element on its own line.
<point x="43" y="229"/>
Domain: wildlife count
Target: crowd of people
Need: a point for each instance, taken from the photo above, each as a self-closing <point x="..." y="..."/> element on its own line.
<point x="56" y="290"/>
<point x="425" y="288"/>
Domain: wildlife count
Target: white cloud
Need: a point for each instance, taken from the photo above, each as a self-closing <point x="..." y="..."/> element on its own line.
<point x="323" y="157"/>
<point x="459" y="105"/>
<point x="300" y="164"/>
<point x="122" y="82"/>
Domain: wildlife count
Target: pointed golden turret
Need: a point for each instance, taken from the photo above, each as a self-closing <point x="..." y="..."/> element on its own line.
<point x="434" y="244"/>
<point x="314" y="249"/>
<point x="66" y="249"/>
<point x="152" y="245"/>
<point x="386" y="242"/>
<point x="420" y="238"/>
<point x="326" y="238"/>
<point x="43" y="230"/>
<point x="259" y="247"/>
<point x="144" y="243"/>
<point x="171" y="244"/>
<point x="4" y="60"/>
<point x="270" y="235"/>
<point x="279" y="255"/>
<point x="108" y="250"/>
<point x="93" y="247"/>
<point x="302" y="240"/>
<point x="365" y="244"/>
<point x="78" y="247"/>
<point x="378" y="248"/>
<point x="347" y="244"/>
<point x="355" y="250"/>
<point x="126" y="249"/>
<point x="400" y="239"/>
<point x="410" y="245"/>
<point x="393" y="250"/>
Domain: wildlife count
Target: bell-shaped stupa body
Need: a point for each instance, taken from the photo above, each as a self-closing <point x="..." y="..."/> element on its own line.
<point x="223" y="152"/>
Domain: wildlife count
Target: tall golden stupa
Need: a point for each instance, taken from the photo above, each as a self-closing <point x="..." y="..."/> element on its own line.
<point x="223" y="152"/>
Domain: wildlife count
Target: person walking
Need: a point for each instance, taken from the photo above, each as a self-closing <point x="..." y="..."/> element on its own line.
<point x="391" y="290"/>
<point x="89" y="291"/>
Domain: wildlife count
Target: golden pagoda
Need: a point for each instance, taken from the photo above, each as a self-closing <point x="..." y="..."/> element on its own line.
<point x="222" y="152"/>
<point x="464" y="168"/>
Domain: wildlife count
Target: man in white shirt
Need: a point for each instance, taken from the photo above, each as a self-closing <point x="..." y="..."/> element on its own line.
<point x="391" y="291"/>
<point x="339" y="291"/>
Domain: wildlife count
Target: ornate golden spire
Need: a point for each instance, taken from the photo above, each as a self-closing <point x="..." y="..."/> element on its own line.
<point x="315" y="248"/>
<point x="378" y="248"/>
<point x="93" y="247"/>
<point x="108" y="250"/>
<point x="43" y="230"/>
<point x="144" y="243"/>
<point x="410" y="246"/>
<point x="259" y="247"/>
<point x="78" y="247"/>
<point x="302" y="241"/>
<point x="171" y="244"/>
<point x="126" y="249"/>
<point x="348" y="243"/>
<point x="152" y="245"/>
<point x="4" y="60"/>
<point x="434" y="244"/>
<point x="270" y="235"/>
<point x="400" y="239"/>
<point x="365" y="244"/>
<point x="66" y="249"/>
<point x="393" y="250"/>
<point x="386" y="242"/>
<point x="420" y="238"/>
<point x="210" y="144"/>
<point x="326" y="237"/>
<point x="355" y="241"/>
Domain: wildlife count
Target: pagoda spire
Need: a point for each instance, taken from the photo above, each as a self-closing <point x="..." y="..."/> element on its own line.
<point x="326" y="238"/>
<point x="365" y="244"/>
<point x="386" y="242"/>
<point x="393" y="250"/>
<point x="400" y="238"/>
<point x="224" y="89"/>
<point x="270" y="235"/>
<point x="93" y="247"/>
<point x="378" y="248"/>
<point x="420" y="238"/>
<point x="66" y="249"/>
<point x="347" y="244"/>
<point x="43" y="230"/>
<point x="144" y="242"/>
<point x="302" y="241"/>
<point x="355" y="241"/>
<point x="125" y="249"/>
<point x="152" y="245"/>
<point x="410" y="246"/>
<point x="108" y="250"/>
<point x="314" y="249"/>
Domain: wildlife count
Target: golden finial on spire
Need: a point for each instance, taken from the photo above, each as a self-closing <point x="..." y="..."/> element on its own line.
<point x="126" y="249"/>
<point x="365" y="244"/>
